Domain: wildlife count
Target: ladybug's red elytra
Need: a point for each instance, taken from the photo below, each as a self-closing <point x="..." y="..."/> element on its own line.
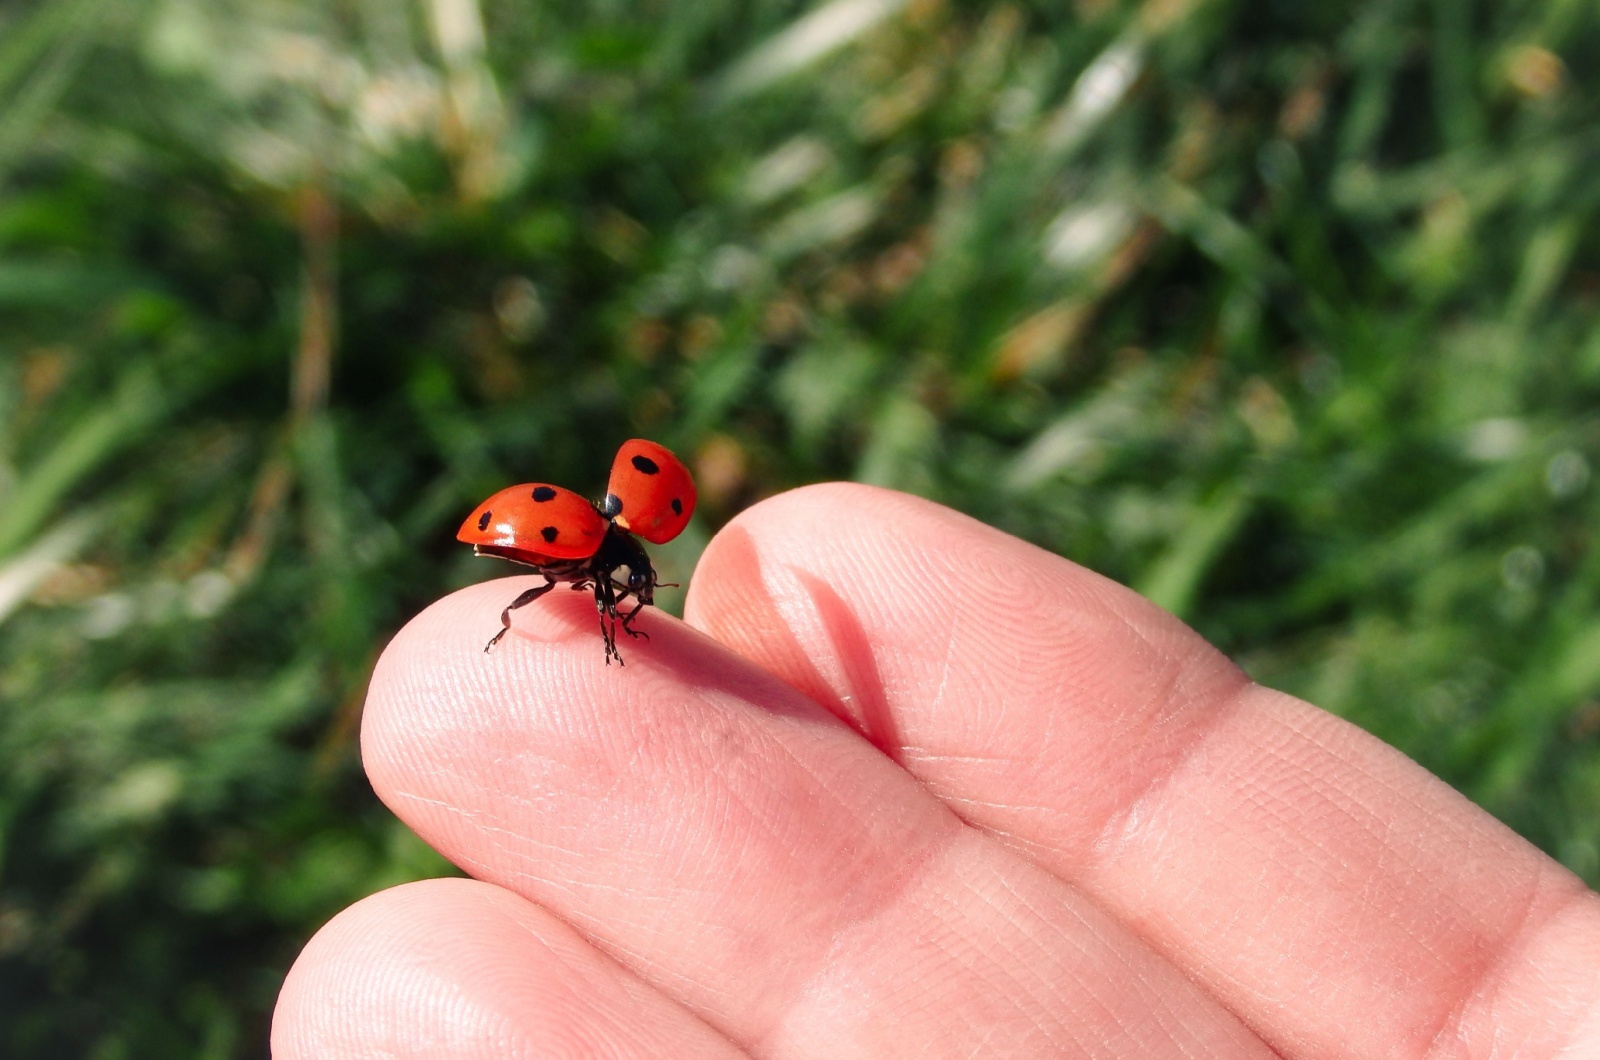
<point x="567" y="539"/>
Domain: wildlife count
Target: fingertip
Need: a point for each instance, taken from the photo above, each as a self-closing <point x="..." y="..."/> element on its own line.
<point x="769" y="585"/>
<point x="364" y="971"/>
<point x="449" y="729"/>
<point x="445" y="720"/>
<point x="455" y="968"/>
<point x="435" y="681"/>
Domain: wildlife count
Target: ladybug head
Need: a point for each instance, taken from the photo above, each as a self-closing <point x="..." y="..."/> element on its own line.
<point x="642" y="583"/>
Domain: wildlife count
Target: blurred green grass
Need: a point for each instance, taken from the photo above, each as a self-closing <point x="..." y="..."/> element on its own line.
<point x="1283" y="314"/>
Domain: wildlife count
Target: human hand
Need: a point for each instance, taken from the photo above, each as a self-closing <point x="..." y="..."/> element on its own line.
<point x="902" y="785"/>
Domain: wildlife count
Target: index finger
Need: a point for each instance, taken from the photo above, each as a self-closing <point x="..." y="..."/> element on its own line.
<point x="1327" y="889"/>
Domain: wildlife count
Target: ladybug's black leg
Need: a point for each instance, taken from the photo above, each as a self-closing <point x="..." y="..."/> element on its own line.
<point x="522" y="601"/>
<point x="605" y="602"/>
<point x="623" y="592"/>
<point x="627" y="619"/>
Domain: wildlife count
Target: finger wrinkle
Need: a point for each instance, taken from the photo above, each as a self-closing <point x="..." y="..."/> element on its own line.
<point x="932" y="850"/>
<point x="1353" y="865"/>
<point x="1004" y="954"/>
<point x="990" y="804"/>
<point x="1091" y="941"/>
<point x="947" y="666"/>
<point x="1460" y="1033"/>
<point x="1125" y="825"/>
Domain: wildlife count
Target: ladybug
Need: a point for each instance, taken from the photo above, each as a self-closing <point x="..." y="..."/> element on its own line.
<point x="563" y="536"/>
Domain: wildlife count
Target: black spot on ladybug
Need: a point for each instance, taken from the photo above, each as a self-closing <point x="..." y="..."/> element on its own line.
<point x="677" y="506"/>
<point x="550" y="534"/>
<point x="645" y="464"/>
<point x="544" y="493"/>
<point x="483" y="520"/>
<point x="611" y="507"/>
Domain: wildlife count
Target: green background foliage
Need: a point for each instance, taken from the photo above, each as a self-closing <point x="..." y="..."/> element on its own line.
<point x="1282" y="313"/>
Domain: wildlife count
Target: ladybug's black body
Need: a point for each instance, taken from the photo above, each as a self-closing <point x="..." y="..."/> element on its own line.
<point x="618" y="549"/>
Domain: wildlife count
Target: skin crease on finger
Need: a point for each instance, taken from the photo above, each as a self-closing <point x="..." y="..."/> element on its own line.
<point x="746" y="853"/>
<point x="461" y="970"/>
<point x="1328" y="890"/>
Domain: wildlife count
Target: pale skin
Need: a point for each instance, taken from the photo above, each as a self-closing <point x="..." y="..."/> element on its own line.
<point x="903" y="786"/>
